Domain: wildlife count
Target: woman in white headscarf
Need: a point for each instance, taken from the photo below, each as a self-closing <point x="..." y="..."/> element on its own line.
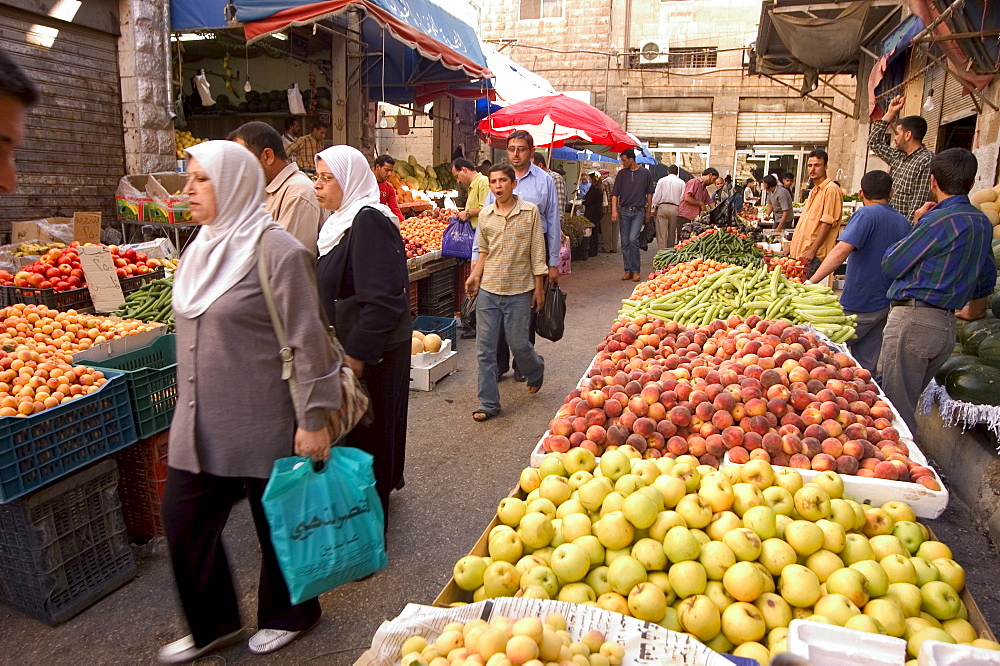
<point x="234" y="414"/>
<point x="364" y="286"/>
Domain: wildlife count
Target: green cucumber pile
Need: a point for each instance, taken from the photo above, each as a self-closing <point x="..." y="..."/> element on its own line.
<point x="150" y="303"/>
<point x="721" y="245"/>
<point x="750" y="291"/>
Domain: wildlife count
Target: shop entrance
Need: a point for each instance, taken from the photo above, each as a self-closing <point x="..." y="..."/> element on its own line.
<point x="958" y="134"/>
<point x="760" y="162"/>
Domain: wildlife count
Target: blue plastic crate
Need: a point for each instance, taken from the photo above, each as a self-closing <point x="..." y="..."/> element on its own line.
<point x="41" y="448"/>
<point x="446" y="327"/>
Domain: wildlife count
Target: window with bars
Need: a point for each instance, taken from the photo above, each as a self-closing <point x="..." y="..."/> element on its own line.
<point x="539" y="9"/>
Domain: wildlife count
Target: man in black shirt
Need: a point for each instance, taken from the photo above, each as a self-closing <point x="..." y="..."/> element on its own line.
<point x="631" y="207"/>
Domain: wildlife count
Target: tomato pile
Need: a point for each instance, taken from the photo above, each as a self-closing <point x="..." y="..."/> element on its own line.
<point x="676" y="277"/>
<point x="60" y="269"/>
<point x="793" y="269"/>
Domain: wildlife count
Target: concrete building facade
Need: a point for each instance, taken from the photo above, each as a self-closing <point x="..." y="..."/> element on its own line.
<point x="673" y="73"/>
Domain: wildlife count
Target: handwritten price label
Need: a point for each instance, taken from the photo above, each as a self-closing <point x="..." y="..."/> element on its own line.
<point x="102" y="277"/>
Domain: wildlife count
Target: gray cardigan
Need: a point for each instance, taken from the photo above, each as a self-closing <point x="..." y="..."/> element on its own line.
<point x="234" y="414"/>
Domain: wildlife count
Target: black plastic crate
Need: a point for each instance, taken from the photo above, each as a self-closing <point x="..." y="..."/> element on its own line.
<point x="440" y="278"/>
<point x="135" y="282"/>
<point x="435" y="293"/>
<point x="74" y="299"/>
<point x="445" y="309"/>
<point x="64" y="547"/>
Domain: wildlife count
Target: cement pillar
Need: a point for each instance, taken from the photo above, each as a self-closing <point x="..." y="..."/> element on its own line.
<point x="144" y="63"/>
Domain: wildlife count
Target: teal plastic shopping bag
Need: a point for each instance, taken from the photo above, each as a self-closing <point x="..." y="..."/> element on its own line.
<point x="326" y="526"/>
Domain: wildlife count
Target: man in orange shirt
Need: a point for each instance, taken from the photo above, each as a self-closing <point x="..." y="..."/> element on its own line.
<point x="816" y="233"/>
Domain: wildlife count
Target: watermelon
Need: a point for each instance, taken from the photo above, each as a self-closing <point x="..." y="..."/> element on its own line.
<point x="961" y="362"/>
<point x="989" y="350"/>
<point x="975" y="332"/>
<point x="980" y="386"/>
<point x="995" y="305"/>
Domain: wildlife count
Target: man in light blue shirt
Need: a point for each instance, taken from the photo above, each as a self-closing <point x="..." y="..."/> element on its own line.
<point x="536" y="186"/>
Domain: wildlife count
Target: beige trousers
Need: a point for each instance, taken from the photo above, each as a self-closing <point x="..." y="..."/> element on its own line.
<point x="609" y="234"/>
<point x="666" y="226"/>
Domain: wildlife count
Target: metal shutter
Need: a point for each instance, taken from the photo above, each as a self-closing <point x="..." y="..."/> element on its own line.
<point x="759" y="128"/>
<point x="688" y="127"/>
<point x="957" y="104"/>
<point x="74" y="149"/>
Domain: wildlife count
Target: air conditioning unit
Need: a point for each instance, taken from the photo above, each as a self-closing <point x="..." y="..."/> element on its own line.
<point x="654" y="53"/>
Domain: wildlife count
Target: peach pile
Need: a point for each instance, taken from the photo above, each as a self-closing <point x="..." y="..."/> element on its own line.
<point x="753" y="389"/>
<point x="57" y="334"/>
<point x="678" y="276"/>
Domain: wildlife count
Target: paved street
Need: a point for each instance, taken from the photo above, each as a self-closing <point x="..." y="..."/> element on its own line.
<point x="457" y="471"/>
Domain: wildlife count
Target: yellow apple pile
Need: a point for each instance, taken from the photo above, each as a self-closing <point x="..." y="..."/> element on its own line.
<point x="506" y="642"/>
<point x="728" y="556"/>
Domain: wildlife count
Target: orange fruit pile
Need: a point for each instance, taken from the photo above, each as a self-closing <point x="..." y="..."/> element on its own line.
<point x="676" y="277"/>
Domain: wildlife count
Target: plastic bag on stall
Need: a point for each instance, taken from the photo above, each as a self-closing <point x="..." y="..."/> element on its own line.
<point x="327" y="525"/>
<point x="458" y="239"/>
<point x="551" y="321"/>
<point x="295" y="104"/>
<point x="7" y="258"/>
<point x="468" y="311"/>
<point x="204" y="89"/>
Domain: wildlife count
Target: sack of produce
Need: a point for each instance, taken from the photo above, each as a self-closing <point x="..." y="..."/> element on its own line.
<point x="326" y="523"/>
<point x="458" y="239"/>
<point x="552" y="318"/>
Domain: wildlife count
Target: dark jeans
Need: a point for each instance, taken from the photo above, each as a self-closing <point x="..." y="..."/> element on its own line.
<point x="867" y="344"/>
<point x="195" y="510"/>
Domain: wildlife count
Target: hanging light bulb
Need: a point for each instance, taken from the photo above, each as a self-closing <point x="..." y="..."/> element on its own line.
<point x="929" y="102"/>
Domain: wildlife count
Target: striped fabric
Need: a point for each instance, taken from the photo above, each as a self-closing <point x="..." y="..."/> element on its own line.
<point x="946" y="260"/>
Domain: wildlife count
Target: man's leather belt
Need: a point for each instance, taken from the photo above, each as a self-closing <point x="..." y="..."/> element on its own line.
<point x="913" y="302"/>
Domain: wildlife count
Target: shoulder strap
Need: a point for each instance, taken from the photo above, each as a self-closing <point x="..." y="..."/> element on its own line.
<point x="287" y="356"/>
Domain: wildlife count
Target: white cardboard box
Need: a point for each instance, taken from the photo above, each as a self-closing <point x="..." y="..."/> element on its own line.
<point x="424" y="379"/>
<point x="937" y="653"/>
<point x="101" y="351"/>
<point x="427" y="359"/>
<point x="829" y="645"/>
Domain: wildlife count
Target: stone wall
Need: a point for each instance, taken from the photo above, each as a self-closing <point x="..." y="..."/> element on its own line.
<point x="584" y="50"/>
<point x="144" y="62"/>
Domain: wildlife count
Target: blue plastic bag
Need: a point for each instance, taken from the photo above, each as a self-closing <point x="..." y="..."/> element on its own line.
<point x="326" y="526"/>
<point x="458" y="239"/>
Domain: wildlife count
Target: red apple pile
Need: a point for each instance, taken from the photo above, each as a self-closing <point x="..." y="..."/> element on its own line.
<point x="60" y="269"/>
<point x="752" y="389"/>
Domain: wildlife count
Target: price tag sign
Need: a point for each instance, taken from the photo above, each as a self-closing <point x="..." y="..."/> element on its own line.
<point x="87" y="227"/>
<point x="102" y="277"/>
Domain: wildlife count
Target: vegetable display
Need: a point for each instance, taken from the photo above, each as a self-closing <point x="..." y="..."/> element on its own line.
<point x="747" y="291"/>
<point x="725" y="245"/>
<point x="152" y="302"/>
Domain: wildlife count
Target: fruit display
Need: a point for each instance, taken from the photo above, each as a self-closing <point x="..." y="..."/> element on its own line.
<point x="57" y="335"/>
<point x="676" y="277"/>
<point x="745" y="291"/>
<point x="151" y="302"/>
<point x="521" y="641"/>
<point x="987" y="201"/>
<point x="425" y="230"/>
<point x="183" y="141"/>
<point x="60" y="269"/>
<point x="30" y="384"/>
<point x="421" y="343"/>
<point x="726" y="245"/>
<point x="36" y="248"/>
<point x="729" y="556"/>
<point x="793" y="269"/>
<point x="757" y="389"/>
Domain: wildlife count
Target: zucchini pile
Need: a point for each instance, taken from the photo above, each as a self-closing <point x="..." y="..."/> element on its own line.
<point x="724" y="245"/>
<point x="749" y="291"/>
<point x="150" y="303"/>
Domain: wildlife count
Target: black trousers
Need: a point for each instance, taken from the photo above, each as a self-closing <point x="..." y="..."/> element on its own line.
<point x="195" y="510"/>
<point x="503" y="350"/>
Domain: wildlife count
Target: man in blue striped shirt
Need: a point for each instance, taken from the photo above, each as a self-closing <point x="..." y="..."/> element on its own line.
<point x="945" y="262"/>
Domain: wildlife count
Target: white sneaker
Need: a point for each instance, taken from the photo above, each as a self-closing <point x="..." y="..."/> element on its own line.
<point x="183" y="650"/>
<point x="266" y="641"/>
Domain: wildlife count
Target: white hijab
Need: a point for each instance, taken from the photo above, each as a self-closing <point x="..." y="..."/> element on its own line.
<point x="224" y="250"/>
<point x="356" y="179"/>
